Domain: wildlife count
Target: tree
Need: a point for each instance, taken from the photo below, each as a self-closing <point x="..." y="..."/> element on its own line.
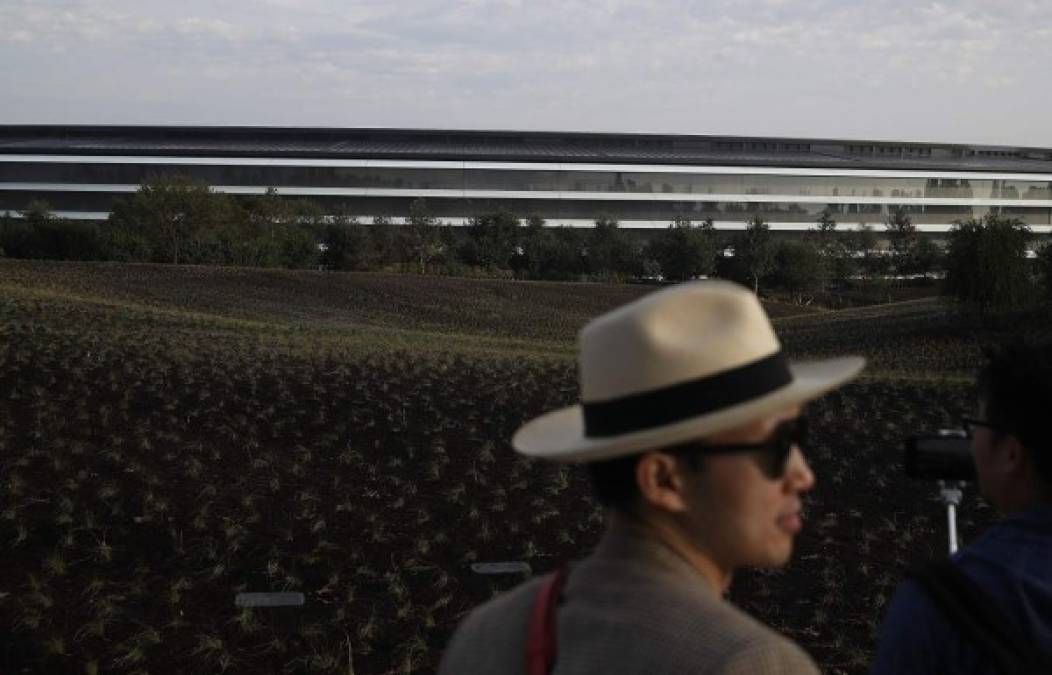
<point x="492" y="240"/>
<point x="559" y="253"/>
<point x="826" y="224"/>
<point x="388" y="242"/>
<point x="5" y="223"/>
<point x="986" y="262"/>
<point x="928" y="257"/>
<point x="608" y="252"/>
<point x="754" y="252"/>
<point x="830" y="246"/>
<point x="448" y="239"/>
<point x="177" y="209"/>
<point x="799" y="268"/>
<point x="1044" y="266"/>
<point x="121" y="241"/>
<point x="534" y="239"/>
<point x="166" y="216"/>
<point x="825" y="234"/>
<point x="22" y="238"/>
<point x="423" y="239"/>
<point x="860" y="255"/>
<point x="37" y="212"/>
<point x="268" y="219"/>
<point x="299" y="236"/>
<point x="347" y="244"/>
<point x="902" y="237"/>
<point x="40" y="234"/>
<point x="684" y="251"/>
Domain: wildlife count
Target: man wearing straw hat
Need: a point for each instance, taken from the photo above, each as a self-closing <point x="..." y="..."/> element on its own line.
<point x="691" y="426"/>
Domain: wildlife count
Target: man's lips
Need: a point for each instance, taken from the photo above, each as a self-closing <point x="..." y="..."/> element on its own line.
<point x="791" y="522"/>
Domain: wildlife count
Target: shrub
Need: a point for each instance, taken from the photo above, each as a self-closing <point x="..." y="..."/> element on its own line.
<point x="986" y="264"/>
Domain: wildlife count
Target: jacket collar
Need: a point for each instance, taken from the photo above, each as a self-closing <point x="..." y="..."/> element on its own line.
<point x="626" y="541"/>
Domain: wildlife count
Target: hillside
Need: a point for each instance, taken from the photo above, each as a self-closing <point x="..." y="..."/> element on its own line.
<point x="172" y="437"/>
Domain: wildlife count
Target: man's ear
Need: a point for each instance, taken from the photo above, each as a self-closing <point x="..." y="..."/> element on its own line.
<point x="1015" y="460"/>
<point x="661" y="482"/>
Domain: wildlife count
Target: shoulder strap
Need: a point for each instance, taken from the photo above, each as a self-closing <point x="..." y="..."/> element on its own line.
<point x="540" y="643"/>
<point x="972" y="612"/>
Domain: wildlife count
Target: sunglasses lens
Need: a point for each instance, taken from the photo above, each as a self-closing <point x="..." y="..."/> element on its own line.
<point x="801" y="432"/>
<point x="789" y="433"/>
<point x="772" y="454"/>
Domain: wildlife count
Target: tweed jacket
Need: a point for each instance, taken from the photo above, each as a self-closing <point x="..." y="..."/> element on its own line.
<point x="633" y="606"/>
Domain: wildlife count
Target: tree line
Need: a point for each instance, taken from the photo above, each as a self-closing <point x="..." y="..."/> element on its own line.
<point x="179" y="221"/>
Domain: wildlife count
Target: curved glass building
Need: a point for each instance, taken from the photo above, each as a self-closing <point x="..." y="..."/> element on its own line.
<point x="642" y="180"/>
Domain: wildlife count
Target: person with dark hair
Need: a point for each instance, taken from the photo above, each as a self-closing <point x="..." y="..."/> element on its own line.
<point x="692" y="427"/>
<point x="1004" y="577"/>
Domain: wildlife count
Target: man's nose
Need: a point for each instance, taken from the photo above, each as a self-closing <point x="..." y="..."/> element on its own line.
<point x="798" y="473"/>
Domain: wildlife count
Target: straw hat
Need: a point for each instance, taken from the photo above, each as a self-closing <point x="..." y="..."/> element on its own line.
<point x="682" y="363"/>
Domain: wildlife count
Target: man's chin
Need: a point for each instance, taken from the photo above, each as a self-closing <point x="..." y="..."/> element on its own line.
<point x="777" y="556"/>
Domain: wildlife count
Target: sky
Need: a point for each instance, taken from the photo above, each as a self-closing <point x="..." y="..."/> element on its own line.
<point x="966" y="71"/>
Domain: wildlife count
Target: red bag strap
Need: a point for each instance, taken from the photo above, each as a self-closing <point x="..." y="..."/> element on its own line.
<point x="540" y="643"/>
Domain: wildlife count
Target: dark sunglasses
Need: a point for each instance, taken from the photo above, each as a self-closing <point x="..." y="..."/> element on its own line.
<point x="773" y="452"/>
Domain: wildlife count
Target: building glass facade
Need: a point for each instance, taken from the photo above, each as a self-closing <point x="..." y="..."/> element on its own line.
<point x="642" y="193"/>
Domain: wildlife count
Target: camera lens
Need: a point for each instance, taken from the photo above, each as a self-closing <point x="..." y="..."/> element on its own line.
<point x="942" y="457"/>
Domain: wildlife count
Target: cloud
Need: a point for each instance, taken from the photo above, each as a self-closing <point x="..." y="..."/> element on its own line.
<point x="764" y="67"/>
<point x="147" y="26"/>
<point x="196" y="26"/>
<point x="767" y="35"/>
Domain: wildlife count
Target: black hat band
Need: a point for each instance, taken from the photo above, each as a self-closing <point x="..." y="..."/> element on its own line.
<point x="686" y="400"/>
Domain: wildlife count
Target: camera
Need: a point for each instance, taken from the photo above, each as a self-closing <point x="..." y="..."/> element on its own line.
<point x="946" y="455"/>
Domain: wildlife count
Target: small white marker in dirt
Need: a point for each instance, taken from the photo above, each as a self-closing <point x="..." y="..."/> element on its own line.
<point x="512" y="567"/>
<point x="269" y="599"/>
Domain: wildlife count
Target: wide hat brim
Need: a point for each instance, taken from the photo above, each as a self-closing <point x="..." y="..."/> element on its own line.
<point x="560" y="435"/>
